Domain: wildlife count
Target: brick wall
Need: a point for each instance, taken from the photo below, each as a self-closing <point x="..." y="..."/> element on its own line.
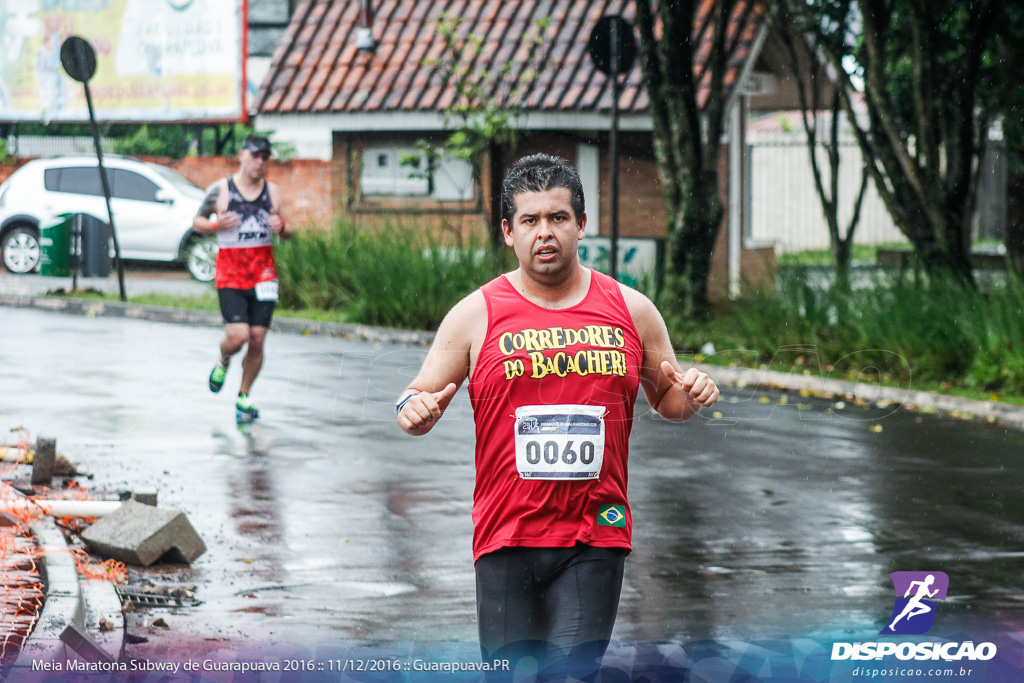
<point x="10" y="166"/>
<point x="305" y="184"/>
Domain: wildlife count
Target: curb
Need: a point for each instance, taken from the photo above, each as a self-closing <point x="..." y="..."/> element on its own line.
<point x="1003" y="413"/>
<point x="70" y="599"/>
<point x="166" y="314"/>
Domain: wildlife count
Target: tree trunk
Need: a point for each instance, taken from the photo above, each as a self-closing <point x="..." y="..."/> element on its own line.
<point x="694" y="230"/>
<point x="1015" y="222"/>
<point x="687" y="134"/>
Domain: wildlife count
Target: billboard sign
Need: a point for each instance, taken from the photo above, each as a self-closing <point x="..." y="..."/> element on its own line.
<point x="157" y="60"/>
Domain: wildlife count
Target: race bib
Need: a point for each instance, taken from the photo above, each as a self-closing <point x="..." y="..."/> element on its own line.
<point x="266" y="291"/>
<point x="559" y="442"/>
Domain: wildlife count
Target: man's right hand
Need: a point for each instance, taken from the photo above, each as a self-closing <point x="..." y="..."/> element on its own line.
<point x="227" y="221"/>
<point x="420" y="412"/>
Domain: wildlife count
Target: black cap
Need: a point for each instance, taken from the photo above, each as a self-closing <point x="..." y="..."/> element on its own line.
<point x="256" y="144"/>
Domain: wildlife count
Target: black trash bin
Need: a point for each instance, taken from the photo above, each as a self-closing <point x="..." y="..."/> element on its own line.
<point x="95" y="240"/>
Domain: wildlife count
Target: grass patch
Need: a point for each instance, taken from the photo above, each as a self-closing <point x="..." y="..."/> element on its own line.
<point x="823" y="257"/>
<point x="312" y="314"/>
<point x="900" y="332"/>
<point x="395" y="277"/>
<point x="203" y="302"/>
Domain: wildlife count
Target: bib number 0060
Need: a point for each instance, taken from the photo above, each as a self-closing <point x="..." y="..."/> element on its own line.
<point x="535" y="451"/>
<point x="559" y="441"/>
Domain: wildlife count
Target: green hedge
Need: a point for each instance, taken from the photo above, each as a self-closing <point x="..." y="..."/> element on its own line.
<point x="395" y="277"/>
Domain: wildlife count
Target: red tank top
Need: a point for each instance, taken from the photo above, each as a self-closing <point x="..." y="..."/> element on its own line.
<point x="245" y="255"/>
<point x="587" y="355"/>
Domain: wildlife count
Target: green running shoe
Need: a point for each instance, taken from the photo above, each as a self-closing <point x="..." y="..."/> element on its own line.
<point x="217" y="376"/>
<point x="245" y="409"/>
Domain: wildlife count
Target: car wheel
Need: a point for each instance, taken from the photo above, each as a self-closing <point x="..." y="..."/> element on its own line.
<point x="202" y="258"/>
<point x="20" y="249"/>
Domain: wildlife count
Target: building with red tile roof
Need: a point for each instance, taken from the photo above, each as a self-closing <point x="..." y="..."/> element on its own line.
<point x="359" y="82"/>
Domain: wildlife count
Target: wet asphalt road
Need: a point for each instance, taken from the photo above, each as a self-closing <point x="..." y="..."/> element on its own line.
<point x="325" y="523"/>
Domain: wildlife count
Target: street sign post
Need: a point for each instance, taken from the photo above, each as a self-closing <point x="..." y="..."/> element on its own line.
<point x="612" y="46"/>
<point x="79" y="61"/>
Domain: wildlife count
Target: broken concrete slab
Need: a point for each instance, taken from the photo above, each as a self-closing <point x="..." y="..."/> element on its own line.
<point x="140" y="534"/>
<point x="44" y="460"/>
<point x="146" y="496"/>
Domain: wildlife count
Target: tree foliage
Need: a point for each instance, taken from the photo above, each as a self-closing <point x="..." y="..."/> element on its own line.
<point x="486" y="103"/>
<point x="172" y="140"/>
<point x="931" y="95"/>
<point x="1009" y="55"/>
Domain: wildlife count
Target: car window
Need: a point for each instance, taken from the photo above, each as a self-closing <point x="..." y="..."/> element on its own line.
<point x="51" y="179"/>
<point x="173" y="177"/>
<point x="131" y="185"/>
<point x="79" y="180"/>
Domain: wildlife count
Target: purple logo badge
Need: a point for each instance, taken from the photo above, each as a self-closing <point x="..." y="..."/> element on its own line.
<point x="916" y="596"/>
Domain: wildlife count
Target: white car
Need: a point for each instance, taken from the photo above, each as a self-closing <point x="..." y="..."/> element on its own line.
<point x="153" y="207"/>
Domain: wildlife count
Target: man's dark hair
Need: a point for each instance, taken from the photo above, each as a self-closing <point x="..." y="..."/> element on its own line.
<point x="256" y="144"/>
<point x="539" y="173"/>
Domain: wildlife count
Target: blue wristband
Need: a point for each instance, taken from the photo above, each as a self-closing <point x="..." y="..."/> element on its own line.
<point x="401" y="404"/>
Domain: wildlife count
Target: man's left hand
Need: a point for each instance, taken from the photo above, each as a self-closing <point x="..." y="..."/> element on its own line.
<point x="696" y="385"/>
<point x="275" y="222"/>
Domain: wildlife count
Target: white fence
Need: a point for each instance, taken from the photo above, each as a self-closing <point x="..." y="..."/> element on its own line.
<point x="785" y="209"/>
<point x="784" y="205"/>
<point x="54" y="145"/>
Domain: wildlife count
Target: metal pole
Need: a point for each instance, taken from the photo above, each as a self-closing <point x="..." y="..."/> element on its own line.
<point x="106" y="190"/>
<point x="76" y="251"/>
<point x="613" y="143"/>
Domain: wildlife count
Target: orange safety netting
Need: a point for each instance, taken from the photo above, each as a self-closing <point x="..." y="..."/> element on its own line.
<point x="110" y="570"/>
<point x="21" y="589"/>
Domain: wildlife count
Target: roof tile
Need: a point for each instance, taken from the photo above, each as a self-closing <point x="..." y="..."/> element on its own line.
<point x="318" y="68"/>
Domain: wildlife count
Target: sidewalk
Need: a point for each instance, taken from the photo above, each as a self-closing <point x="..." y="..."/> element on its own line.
<point x="27" y="291"/>
<point x="139" y="279"/>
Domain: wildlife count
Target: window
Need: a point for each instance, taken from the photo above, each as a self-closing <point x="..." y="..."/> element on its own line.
<point x="131" y="185"/>
<point x="403" y="172"/>
<point x="51" y="179"/>
<point x="173" y="177"/>
<point x="268" y="21"/>
<point x="86" y="180"/>
<point x="453" y="180"/>
<point x="75" y="179"/>
<point x="385" y="174"/>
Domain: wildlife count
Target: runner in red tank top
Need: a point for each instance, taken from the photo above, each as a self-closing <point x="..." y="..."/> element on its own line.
<point x="555" y="354"/>
<point x="245" y="211"/>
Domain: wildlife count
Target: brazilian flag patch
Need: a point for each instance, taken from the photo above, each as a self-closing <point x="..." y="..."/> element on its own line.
<point x="612" y="515"/>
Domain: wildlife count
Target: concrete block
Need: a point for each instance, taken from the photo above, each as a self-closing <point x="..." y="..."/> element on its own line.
<point x="140" y="534"/>
<point x="145" y="496"/>
<point x="44" y="460"/>
<point x="84" y="645"/>
<point x="102" y="604"/>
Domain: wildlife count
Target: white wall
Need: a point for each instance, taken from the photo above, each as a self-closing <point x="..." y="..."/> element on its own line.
<point x="310" y="138"/>
<point x="785" y="209"/>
